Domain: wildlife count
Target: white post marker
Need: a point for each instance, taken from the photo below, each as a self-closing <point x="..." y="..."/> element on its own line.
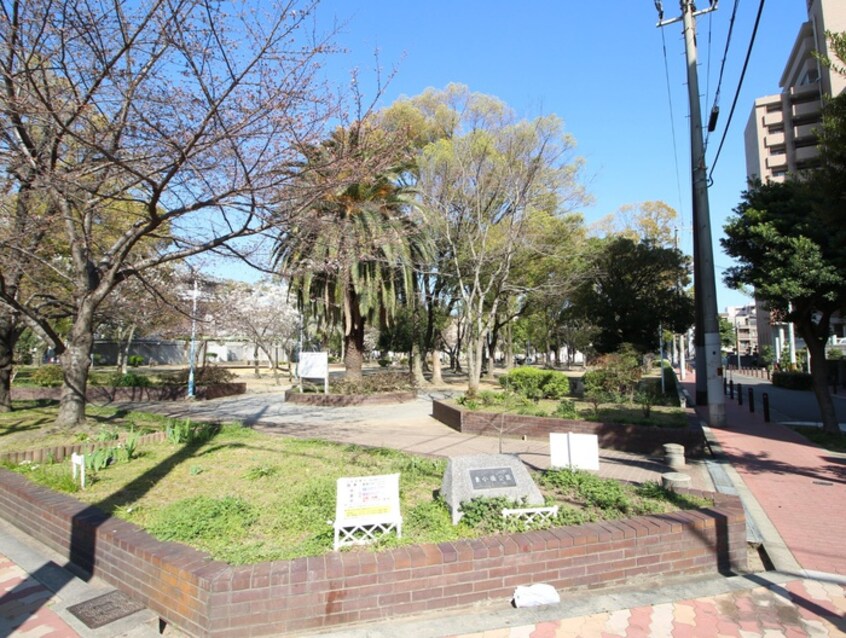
<point x="78" y="467"/>
<point x="574" y="451"/>
<point x="366" y="508"/>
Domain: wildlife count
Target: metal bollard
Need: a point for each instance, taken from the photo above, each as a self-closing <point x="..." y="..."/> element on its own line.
<point x="751" y="400"/>
<point x="739" y="394"/>
<point x="765" y="398"/>
<point x="725" y="385"/>
<point x="731" y="389"/>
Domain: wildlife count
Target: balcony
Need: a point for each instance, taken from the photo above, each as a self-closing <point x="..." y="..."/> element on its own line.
<point x="777" y="161"/>
<point x="773" y="118"/>
<point x="806" y="110"/>
<point x="806" y="154"/>
<point x="804" y="132"/>
<point x="774" y="139"/>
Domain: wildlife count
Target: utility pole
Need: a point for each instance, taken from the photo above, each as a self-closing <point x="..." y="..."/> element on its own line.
<point x="705" y="286"/>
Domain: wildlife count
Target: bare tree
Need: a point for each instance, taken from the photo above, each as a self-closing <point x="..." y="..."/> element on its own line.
<point x="146" y="132"/>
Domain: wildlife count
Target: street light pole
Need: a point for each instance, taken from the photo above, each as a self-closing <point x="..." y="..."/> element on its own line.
<point x="193" y="342"/>
<point x="705" y="287"/>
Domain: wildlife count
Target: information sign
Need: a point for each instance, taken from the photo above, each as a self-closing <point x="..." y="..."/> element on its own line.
<point x="366" y="508"/>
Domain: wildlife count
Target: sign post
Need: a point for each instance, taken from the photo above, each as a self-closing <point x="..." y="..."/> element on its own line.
<point x="314" y="365"/>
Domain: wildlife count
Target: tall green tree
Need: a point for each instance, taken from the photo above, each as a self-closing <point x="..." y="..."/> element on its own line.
<point x="353" y="249"/>
<point x="787" y="247"/>
<point x="635" y="289"/>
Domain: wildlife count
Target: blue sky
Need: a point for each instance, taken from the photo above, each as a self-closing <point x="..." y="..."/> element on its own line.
<point x="598" y="66"/>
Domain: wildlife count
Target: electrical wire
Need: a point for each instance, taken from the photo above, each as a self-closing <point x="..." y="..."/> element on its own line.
<point x="672" y="117"/>
<point x="722" y="64"/>
<point x="737" y="92"/>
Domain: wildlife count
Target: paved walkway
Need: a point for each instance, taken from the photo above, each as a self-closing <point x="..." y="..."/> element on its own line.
<point x="772" y="468"/>
<point x="800" y="487"/>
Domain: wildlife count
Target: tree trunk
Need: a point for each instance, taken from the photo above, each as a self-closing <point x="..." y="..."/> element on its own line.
<point x="256" y="370"/>
<point x="816" y="337"/>
<point x="437" y="367"/>
<point x="76" y="362"/>
<point x="475" y="347"/>
<point x="417" y="365"/>
<point x="125" y="355"/>
<point x="353" y="341"/>
<point x="9" y="333"/>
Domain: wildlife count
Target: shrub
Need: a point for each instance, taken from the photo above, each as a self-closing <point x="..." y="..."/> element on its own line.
<point x="793" y="380"/>
<point x="567" y="410"/>
<point x="374" y="383"/>
<point x="135" y="360"/>
<point x="48" y="376"/>
<point x="130" y="380"/>
<point x="206" y="375"/>
<point x="536" y="384"/>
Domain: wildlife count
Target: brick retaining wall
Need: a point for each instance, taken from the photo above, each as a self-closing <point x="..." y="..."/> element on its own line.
<point x="204" y="597"/>
<point x="642" y="439"/>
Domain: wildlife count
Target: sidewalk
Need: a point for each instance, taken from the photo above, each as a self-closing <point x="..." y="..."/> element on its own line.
<point x="798" y="601"/>
<point x="800" y="487"/>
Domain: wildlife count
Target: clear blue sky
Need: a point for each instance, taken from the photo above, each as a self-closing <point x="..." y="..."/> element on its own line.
<point x="598" y="66"/>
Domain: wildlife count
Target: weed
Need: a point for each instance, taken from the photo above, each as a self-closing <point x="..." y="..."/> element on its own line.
<point x="204" y="518"/>
<point x="260" y="471"/>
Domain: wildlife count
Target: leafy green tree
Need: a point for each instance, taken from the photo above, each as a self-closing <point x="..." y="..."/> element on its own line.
<point x="727" y="333"/>
<point x="634" y="289"/>
<point x="351" y="253"/>
<point x="783" y="239"/>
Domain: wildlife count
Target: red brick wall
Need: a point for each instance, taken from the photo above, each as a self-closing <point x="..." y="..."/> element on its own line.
<point x="628" y="438"/>
<point x="204" y="597"/>
<point x="156" y="393"/>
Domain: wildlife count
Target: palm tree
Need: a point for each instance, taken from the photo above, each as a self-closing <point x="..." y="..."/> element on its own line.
<point x="350" y="254"/>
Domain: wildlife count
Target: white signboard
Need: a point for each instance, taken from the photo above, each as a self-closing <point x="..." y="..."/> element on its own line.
<point x="574" y="451"/>
<point x="314" y="365"/>
<point x="366" y="508"/>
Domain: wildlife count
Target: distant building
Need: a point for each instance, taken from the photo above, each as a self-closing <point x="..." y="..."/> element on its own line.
<point x="743" y="319"/>
<point x="780" y="135"/>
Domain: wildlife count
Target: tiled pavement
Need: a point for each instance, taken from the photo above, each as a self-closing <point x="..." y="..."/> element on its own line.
<point x="25" y="605"/>
<point x="800" y="608"/>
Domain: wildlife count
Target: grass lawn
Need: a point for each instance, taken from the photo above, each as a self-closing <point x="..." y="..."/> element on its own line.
<point x="30" y="425"/>
<point x="248" y="497"/>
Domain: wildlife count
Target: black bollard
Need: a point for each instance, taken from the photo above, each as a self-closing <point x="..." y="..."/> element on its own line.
<point x="765" y="398"/>
<point x="731" y="389"/>
<point x="751" y="400"/>
<point x="739" y="394"/>
<point x="725" y="385"/>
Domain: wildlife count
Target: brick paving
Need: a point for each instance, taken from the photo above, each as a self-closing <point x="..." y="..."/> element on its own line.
<point x="799" y="608"/>
<point x="25" y="606"/>
<point x="801" y="487"/>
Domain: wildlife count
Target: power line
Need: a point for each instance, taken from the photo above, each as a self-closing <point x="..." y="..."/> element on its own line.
<point x="737" y="92"/>
<point x="672" y="118"/>
<point x="716" y="108"/>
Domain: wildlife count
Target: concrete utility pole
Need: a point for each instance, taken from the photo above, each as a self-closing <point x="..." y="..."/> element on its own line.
<point x="705" y="286"/>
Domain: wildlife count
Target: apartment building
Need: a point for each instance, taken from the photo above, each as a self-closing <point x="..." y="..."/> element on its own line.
<point x="779" y="136"/>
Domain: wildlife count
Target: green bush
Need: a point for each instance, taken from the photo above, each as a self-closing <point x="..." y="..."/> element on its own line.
<point x="130" y="380"/>
<point x="566" y="410"/>
<point x="793" y="380"/>
<point x="536" y="384"/>
<point x="48" y="376"/>
<point x="135" y="360"/>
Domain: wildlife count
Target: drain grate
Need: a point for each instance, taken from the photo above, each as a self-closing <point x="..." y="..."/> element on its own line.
<point x="104" y="609"/>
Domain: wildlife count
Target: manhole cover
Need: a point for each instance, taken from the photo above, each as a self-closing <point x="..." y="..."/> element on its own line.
<point x="105" y="609"/>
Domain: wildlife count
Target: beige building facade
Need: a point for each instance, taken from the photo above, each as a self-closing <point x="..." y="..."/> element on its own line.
<point x="779" y="136"/>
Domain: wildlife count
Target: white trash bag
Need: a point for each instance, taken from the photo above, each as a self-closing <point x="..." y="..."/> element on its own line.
<point x="535" y="595"/>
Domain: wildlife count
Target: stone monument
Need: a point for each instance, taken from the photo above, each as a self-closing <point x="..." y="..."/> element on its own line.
<point x="487" y="475"/>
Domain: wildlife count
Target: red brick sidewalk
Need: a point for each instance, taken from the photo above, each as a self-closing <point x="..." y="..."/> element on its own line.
<point x="25" y="605"/>
<point x="801" y="608"/>
<point x="801" y="487"/>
